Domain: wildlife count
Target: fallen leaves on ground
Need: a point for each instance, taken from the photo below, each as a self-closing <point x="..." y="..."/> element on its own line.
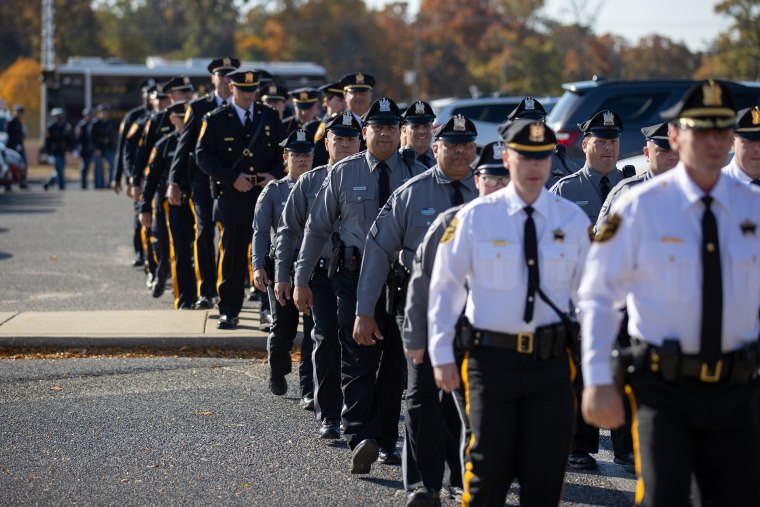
<point x="136" y="352"/>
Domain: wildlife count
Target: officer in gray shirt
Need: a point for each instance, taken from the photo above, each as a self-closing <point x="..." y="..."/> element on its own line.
<point x="417" y="133"/>
<point x="341" y="140"/>
<point x="352" y="194"/>
<point x="297" y="155"/>
<point x="589" y="187"/>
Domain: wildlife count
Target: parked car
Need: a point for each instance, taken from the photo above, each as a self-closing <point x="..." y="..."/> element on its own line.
<point x="639" y="104"/>
<point x="487" y="113"/>
<point x="12" y="166"/>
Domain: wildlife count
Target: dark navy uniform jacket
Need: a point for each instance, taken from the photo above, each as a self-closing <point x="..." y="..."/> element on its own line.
<point x="158" y="168"/>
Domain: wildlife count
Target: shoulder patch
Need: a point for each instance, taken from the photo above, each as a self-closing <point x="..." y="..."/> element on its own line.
<point x="132" y="130"/>
<point x="152" y="156"/>
<point x="188" y="114"/>
<point x="203" y="130"/>
<point x="609" y="229"/>
<point x="386" y="209"/>
<point x="448" y="234"/>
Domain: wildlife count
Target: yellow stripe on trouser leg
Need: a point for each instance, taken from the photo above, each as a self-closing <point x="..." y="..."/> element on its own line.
<point x="468" y="475"/>
<point x="573" y="370"/>
<point x="144" y="240"/>
<point x="636" y="448"/>
<point x="196" y="264"/>
<point x="250" y="266"/>
<point x="221" y="259"/>
<point x="172" y="257"/>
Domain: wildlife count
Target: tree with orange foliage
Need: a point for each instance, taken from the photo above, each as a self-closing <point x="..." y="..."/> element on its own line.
<point x="20" y="84"/>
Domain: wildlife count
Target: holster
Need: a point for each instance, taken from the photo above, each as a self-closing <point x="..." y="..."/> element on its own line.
<point x="215" y="188"/>
<point x="395" y="285"/>
<point x="269" y="267"/>
<point x="464" y="334"/>
<point x="336" y="258"/>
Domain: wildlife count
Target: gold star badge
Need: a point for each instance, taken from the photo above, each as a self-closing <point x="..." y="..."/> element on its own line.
<point x="748" y="228"/>
<point x="559" y="235"/>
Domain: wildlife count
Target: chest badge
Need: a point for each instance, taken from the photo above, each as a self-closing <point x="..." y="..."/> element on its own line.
<point x="559" y="235"/>
<point x="748" y="228"/>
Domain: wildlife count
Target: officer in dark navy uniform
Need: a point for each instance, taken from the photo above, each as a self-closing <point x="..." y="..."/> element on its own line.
<point x="238" y="147"/>
<point x="417" y="131"/>
<point x="333" y="101"/>
<point x="275" y="96"/>
<point x="357" y="89"/>
<point x="185" y="177"/>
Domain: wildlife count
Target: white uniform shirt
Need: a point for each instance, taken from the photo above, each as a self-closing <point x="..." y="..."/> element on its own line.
<point x="733" y="170"/>
<point x="486" y="255"/>
<point x="653" y="266"/>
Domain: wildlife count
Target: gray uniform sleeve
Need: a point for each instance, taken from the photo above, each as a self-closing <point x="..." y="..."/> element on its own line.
<point x="290" y="230"/>
<point x="263" y="221"/>
<point x="319" y="226"/>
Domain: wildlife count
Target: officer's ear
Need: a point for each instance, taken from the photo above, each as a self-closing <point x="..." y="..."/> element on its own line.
<point x="434" y="147"/>
<point x="505" y="158"/>
<point x="646" y="151"/>
<point x="364" y="132"/>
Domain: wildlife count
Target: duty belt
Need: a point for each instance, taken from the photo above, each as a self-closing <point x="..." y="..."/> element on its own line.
<point x="253" y="179"/>
<point x="546" y="342"/>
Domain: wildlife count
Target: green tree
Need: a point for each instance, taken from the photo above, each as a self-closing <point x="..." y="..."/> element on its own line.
<point x="736" y="53"/>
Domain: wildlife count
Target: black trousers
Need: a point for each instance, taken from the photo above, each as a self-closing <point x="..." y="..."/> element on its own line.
<point x="233" y="266"/>
<point x="432" y="431"/>
<point x="137" y="233"/>
<point x="328" y="398"/>
<point x="690" y="428"/>
<point x="281" y="338"/>
<point x="372" y="376"/>
<point x="521" y="415"/>
<point x="182" y="236"/>
<point x="159" y="235"/>
<point x="205" y="233"/>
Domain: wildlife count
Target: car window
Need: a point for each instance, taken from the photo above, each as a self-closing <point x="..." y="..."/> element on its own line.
<point x="564" y="106"/>
<point x="635" y="107"/>
<point x="492" y="113"/>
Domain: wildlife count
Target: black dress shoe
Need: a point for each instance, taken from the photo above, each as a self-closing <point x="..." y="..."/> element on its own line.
<point x="389" y="457"/>
<point x="307" y="402"/>
<point x="265" y="320"/>
<point x="252" y="296"/>
<point x="277" y="384"/>
<point x="138" y="262"/>
<point x="363" y="456"/>
<point x="159" y="284"/>
<point x="627" y="461"/>
<point x="203" y="303"/>
<point x="329" y="430"/>
<point x="580" y="460"/>
<point x="452" y="492"/>
<point x="423" y="497"/>
<point x="226" y="322"/>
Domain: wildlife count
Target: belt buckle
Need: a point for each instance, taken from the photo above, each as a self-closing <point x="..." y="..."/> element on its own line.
<point x="705" y="375"/>
<point x="525" y="343"/>
<point x="247" y="152"/>
<point x="253" y="179"/>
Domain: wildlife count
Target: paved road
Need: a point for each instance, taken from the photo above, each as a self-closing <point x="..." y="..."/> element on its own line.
<point x="160" y="431"/>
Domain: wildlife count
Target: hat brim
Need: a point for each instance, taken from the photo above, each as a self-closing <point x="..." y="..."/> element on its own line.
<point x="357" y="88"/>
<point x="383" y="120"/>
<point x="419" y="120"/>
<point x="222" y="71"/>
<point x="492" y="169"/>
<point x="605" y="133"/>
<point x="343" y="132"/>
<point x="749" y="136"/>
<point x="248" y="87"/>
<point x="300" y="148"/>
<point x="457" y="138"/>
<point x="662" y="143"/>
<point x="305" y="105"/>
<point x="706" y="123"/>
<point x="272" y="97"/>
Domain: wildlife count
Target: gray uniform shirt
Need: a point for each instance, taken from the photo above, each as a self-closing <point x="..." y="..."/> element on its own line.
<point x="414" y="334"/>
<point x="617" y="192"/>
<point x="266" y="217"/>
<point x="562" y="166"/>
<point x="584" y="189"/>
<point x="400" y="226"/>
<point x="293" y="221"/>
<point x="349" y="199"/>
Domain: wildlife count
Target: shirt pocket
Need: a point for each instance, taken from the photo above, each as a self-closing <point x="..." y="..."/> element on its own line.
<point x="355" y="205"/>
<point x="495" y="266"/>
<point x="745" y="269"/>
<point x="558" y="262"/>
<point x="673" y="271"/>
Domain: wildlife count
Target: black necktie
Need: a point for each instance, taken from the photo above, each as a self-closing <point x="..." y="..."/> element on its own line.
<point x="457" y="198"/>
<point x="384" y="184"/>
<point x="604" y="186"/>
<point x="756" y="181"/>
<point x="530" y="244"/>
<point x="424" y="159"/>
<point x="248" y="122"/>
<point x="712" y="287"/>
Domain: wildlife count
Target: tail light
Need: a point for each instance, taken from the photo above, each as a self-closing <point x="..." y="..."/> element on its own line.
<point x="568" y="137"/>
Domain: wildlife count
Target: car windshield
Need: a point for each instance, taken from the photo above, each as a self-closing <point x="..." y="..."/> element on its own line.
<point x="562" y="107"/>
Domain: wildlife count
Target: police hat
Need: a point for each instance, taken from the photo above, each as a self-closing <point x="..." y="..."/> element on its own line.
<point x="344" y="124"/>
<point x="658" y="134"/>
<point x="304" y="98"/>
<point x="264" y="76"/>
<point x="490" y="160"/>
<point x="528" y="108"/>
<point x="157" y="91"/>
<point x="102" y="107"/>
<point x="383" y="111"/>
<point x="357" y="82"/>
<point x="299" y="141"/>
<point x="18" y="108"/>
<point x="530" y="138"/>
<point x="245" y="79"/>
<point x="178" y="108"/>
<point x="707" y="105"/>
<point x="179" y="84"/>
<point x="272" y="91"/>
<point x="457" y="130"/>
<point x="223" y="66"/>
<point x="419" y="113"/>
<point x="605" y="124"/>
<point x="331" y="89"/>
<point x="147" y="84"/>
<point x="748" y="123"/>
<point x="56" y="111"/>
<point x="85" y="111"/>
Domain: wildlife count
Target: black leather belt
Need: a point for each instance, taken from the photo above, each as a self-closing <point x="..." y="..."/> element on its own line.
<point x="546" y="342"/>
<point x="322" y="263"/>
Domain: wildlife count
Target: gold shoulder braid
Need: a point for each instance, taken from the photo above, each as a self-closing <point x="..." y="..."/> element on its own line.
<point x="609" y="229"/>
<point x="448" y="234"/>
<point x="591" y="233"/>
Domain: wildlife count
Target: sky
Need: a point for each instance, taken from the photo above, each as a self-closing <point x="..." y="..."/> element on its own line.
<point x="692" y="22"/>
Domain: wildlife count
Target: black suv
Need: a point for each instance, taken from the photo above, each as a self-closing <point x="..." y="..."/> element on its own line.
<point x="638" y="103"/>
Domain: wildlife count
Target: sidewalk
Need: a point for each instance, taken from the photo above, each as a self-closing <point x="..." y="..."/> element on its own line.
<point x="153" y="328"/>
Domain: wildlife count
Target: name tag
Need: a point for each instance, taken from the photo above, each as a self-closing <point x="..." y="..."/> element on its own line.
<point x="671" y="239"/>
<point x="428" y="212"/>
<point x="360" y="188"/>
<point x="229" y="139"/>
<point x="581" y="203"/>
<point x="499" y="242"/>
<point x="284" y="203"/>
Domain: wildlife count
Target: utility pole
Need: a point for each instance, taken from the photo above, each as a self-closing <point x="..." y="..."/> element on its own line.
<point x="48" y="56"/>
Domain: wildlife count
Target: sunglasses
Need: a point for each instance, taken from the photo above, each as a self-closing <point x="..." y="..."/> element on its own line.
<point x="492" y="181"/>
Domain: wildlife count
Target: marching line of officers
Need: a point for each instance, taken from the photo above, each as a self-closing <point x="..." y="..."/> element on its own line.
<point x="428" y="275"/>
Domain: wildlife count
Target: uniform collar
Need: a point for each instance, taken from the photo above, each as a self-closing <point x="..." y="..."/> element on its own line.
<point x="241" y="112"/>
<point x="733" y="170"/>
<point x="440" y="177"/>
<point x="220" y="100"/>
<point x="692" y="193"/>
<point x="594" y="175"/>
<point x="373" y="162"/>
<point x="515" y="203"/>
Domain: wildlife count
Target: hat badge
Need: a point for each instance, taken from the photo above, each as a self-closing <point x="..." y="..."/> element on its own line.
<point x="530" y="104"/>
<point x="226" y="61"/>
<point x="711" y="94"/>
<point x="186" y="80"/>
<point x="346" y="119"/>
<point x="304" y="96"/>
<point x="249" y="77"/>
<point x="419" y="108"/>
<point x="301" y="136"/>
<point x="460" y="123"/>
<point x="536" y="134"/>
<point x="609" y="119"/>
<point x="385" y="105"/>
<point x="498" y="150"/>
<point x="756" y="115"/>
<point x="272" y="89"/>
<point x="360" y="78"/>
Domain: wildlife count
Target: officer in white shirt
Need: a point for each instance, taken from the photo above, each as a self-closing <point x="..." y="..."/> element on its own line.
<point x="513" y="260"/>
<point x="682" y="252"/>
<point x="745" y="165"/>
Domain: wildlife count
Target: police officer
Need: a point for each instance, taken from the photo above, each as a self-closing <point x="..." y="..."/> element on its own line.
<point x="103" y="139"/>
<point x="306" y="114"/>
<point x="356" y="189"/>
<point x="17" y="133"/>
<point x="298" y="152"/>
<point x="59" y="139"/>
<point x="684" y="244"/>
<point x="490" y="175"/>
<point x="342" y="141"/>
<point x="184" y="173"/>
<point x="562" y="165"/>
<point x="589" y="187"/>
<point x="513" y="261"/>
<point x="745" y="166"/>
<point x="83" y="134"/>
<point x="357" y="90"/>
<point x="275" y="96"/>
<point x="333" y="101"/>
<point x="393" y="239"/>
<point x="238" y="147"/>
<point x="416" y="130"/>
<point x="660" y="158"/>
